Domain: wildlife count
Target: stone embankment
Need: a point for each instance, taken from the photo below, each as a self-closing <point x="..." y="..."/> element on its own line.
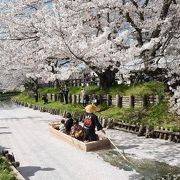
<point x="12" y="163"/>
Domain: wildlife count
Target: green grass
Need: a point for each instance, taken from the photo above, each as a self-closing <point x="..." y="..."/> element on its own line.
<point x="146" y="89"/>
<point x="54" y="105"/>
<point x="156" y="115"/>
<point x="46" y="90"/>
<point x="5" y="171"/>
<point x="136" y="90"/>
<point x="90" y="89"/>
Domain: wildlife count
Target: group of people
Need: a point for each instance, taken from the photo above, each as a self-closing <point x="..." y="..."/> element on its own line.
<point x="85" y="99"/>
<point x="86" y="132"/>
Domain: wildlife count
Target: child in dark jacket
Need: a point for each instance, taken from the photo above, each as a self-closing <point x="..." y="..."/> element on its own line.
<point x="69" y="123"/>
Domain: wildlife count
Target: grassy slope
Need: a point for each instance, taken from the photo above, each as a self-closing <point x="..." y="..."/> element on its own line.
<point x="55" y="105"/>
<point x="5" y="171"/>
<point x="139" y="89"/>
<point x="156" y="115"/>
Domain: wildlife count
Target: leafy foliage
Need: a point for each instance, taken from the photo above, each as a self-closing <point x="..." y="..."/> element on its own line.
<point x="5" y="171"/>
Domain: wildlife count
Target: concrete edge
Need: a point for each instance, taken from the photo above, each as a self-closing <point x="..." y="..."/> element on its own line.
<point x="17" y="173"/>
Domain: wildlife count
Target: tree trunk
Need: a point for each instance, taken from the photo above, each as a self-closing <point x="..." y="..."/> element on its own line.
<point x="107" y="78"/>
<point x="56" y="83"/>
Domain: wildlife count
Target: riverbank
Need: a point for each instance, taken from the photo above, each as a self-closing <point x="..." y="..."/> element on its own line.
<point x="155" y="115"/>
<point x="7" y="95"/>
<point x="6" y="172"/>
<point x="152" y="121"/>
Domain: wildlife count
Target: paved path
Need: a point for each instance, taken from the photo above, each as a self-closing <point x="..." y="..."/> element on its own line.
<point x="42" y="157"/>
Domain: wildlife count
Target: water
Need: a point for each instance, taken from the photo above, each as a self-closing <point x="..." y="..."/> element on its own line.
<point x="6" y="103"/>
<point x="146" y="168"/>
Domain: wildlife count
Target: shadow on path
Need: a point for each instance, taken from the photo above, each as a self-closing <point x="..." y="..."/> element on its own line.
<point x="127" y="147"/>
<point x="5" y="132"/>
<point x="15" y="118"/>
<point x="2" y="148"/>
<point x="28" y="171"/>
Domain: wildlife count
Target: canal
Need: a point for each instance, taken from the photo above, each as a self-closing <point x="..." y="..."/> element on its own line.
<point x="24" y="132"/>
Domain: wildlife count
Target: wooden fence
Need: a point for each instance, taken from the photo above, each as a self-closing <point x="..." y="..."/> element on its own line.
<point x="117" y="101"/>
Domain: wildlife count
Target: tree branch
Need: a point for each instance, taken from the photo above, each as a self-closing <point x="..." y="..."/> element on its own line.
<point x="145" y="3"/>
<point x="138" y="30"/>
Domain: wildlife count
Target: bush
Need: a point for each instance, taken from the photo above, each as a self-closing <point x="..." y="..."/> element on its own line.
<point x="5" y="171"/>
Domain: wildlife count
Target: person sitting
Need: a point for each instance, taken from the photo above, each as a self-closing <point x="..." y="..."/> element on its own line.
<point x="62" y="126"/>
<point x="69" y="122"/>
<point x="91" y="122"/>
<point x="77" y="131"/>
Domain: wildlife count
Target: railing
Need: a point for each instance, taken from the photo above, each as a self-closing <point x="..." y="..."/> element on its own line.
<point x="117" y="100"/>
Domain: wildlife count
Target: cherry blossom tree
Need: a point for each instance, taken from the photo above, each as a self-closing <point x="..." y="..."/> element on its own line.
<point x="108" y="36"/>
<point x="104" y="35"/>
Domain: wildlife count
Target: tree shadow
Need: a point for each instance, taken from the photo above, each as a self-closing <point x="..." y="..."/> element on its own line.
<point x="127" y="147"/>
<point x="3" y="148"/>
<point x="28" y="171"/>
<point x="4" y="127"/>
<point x="17" y="118"/>
<point x="5" y="132"/>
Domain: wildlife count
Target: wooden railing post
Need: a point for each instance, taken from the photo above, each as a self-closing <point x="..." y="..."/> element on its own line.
<point x="118" y="101"/>
<point x="109" y="100"/>
<point x="145" y="101"/>
<point x="73" y="99"/>
<point x="131" y="101"/>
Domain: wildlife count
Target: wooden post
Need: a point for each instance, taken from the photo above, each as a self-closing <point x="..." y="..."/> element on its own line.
<point x="100" y="99"/>
<point x="73" y="99"/>
<point x="69" y="98"/>
<point x="104" y="122"/>
<point x="157" y="99"/>
<point x="145" y="101"/>
<point x="75" y="82"/>
<point x="53" y="98"/>
<point x="49" y="96"/>
<point x="109" y="100"/>
<point x="118" y="101"/>
<point x="78" y="98"/>
<point x="131" y="101"/>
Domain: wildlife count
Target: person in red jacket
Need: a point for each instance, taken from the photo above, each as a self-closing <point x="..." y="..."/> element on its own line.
<point x="91" y="122"/>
